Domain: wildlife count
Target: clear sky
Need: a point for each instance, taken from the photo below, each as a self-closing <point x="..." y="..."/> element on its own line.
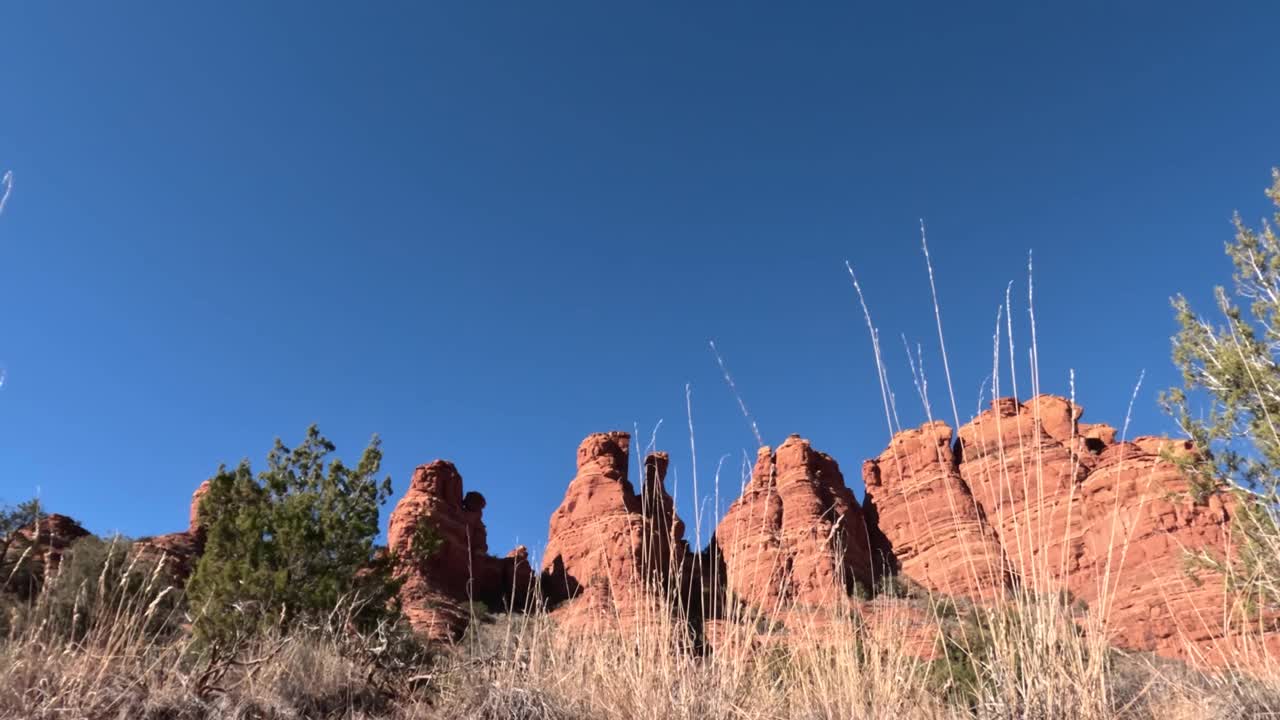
<point x="485" y="229"/>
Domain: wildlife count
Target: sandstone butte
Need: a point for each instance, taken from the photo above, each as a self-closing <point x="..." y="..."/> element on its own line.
<point x="1024" y="496"/>
<point x="438" y="587"/>
<point x="620" y="554"/>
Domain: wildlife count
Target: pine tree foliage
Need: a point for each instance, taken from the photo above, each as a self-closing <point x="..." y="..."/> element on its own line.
<point x="1229" y="404"/>
<point x="292" y="542"/>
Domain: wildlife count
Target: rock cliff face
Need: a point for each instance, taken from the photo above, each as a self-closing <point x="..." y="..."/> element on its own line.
<point x="616" y="553"/>
<point x="797" y="535"/>
<point x="1138" y="523"/>
<point x="1057" y="505"/>
<point x="437" y="533"/>
<point x="1024" y="497"/>
<point x="1024" y="464"/>
<point x="934" y="530"/>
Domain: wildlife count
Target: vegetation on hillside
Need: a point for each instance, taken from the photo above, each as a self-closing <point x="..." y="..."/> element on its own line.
<point x="292" y="542"/>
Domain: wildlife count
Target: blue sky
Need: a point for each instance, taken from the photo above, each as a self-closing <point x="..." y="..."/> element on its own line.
<point x="484" y="230"/>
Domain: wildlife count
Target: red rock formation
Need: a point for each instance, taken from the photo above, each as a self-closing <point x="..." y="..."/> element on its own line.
<point x="1068" y="509"/>
<point x="749" y="539"/>
<point x="1027" y="497"/>
<point x="50" y="536"/>
<point x="1111" y="523"/>
<point x="933" y="527"/>
<point x="438" y="586"/>
<point x="518" y="580"/>
<point x="617" y="553"/>
<point x="1138" y="524"/>
<point x="34" y="552"/>
<point x="665" y="548"/>
<point x="178" y="551"/>
<point x="1157" y="446"/>
<point x="797" y="536"/>
<point x="1024" y="464"/>
<point x="194" y="526"/>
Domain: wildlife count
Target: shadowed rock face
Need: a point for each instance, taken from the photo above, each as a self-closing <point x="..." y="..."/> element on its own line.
<point x="439" y="586"/>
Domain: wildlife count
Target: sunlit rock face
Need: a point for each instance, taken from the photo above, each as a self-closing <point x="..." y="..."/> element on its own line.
<point x="438" y="587"/>
<point x="1030" y="497"/>
<point x="797" y="535"/>
<point x="932" y="525"/>
<point x="617" y="556"/>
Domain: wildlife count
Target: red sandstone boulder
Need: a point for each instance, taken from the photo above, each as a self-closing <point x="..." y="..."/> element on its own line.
<point x="177" y="552"/>
<point x="1159" y="446"/>
<point x="1097" y="436"/>
<point x="797" y="536"/>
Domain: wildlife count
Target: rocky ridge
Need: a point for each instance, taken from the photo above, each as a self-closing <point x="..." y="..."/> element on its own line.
<point x="1024" y="497"/>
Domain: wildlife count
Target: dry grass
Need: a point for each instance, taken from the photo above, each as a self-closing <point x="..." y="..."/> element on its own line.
<point x="130" y="660"/>
<point x="119" y="647"/>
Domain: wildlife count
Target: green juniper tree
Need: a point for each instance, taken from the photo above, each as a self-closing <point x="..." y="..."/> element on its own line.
<point x="1230" y="404"/>
<point x="291" y="542"/>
